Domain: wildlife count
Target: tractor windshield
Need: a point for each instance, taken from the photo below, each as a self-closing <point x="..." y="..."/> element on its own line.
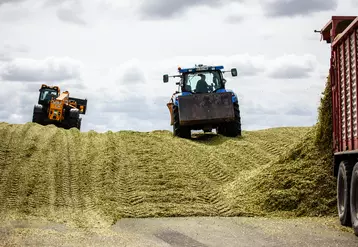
<point x="203" y="81"/>
<point x="47" y="94"/>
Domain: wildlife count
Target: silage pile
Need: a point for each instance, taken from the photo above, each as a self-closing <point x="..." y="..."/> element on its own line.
<point x="89" y="178"/>
<point x="52" y="172"/>
<point x="300" y="183"/>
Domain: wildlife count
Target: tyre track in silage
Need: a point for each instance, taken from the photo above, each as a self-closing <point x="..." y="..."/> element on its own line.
<point x="61" y="179"/>
<point x="214" y="179"/>
<point x="125" y="183"/>
<point x="13" y="191"/>
<point x="112" y="184"/>
<point x="86" y="150"/>
<point x="73" y="147"/>
<point x="163" y="178"/>
<point x="6" y="135"/>
<point x="42" y="169"/>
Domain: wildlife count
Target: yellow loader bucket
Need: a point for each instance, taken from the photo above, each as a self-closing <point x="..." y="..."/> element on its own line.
<point x="170" y="107"/>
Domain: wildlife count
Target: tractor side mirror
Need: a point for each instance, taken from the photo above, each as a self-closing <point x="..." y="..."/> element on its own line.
<point x="165" y="78"/>
<point x="234" y="72"/>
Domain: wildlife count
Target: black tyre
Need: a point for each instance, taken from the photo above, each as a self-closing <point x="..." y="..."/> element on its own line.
<point x="354" y="199"/>
<point x="38" y="115"/>
<point x="343" y="193"/>
<point x="79" y="124"/>
<point x="232" y="129"/>
<point x="221" y="130"/>
<point x="74" y="123"/>
<point x="180" y="131"/>
<point x="74" y="120"/>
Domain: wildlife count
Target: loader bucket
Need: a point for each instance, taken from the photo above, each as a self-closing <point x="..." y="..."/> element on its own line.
<point x="206" y="108"/>
<point x="170" y="107"/>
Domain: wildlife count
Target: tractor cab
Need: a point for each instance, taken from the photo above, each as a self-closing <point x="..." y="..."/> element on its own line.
<point x="47" y="93"/>
<point x="201" y="79"/>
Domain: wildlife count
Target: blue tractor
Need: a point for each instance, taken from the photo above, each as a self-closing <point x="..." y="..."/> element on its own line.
<point x="203" y="103"/>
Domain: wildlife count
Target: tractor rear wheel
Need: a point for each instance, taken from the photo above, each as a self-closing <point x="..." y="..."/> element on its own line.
<point x="343" y="192"/>
<point x="232" y="129"/>
<point x="180" y="131"/>
<point x="74" y="120"/>
<point x="354" y="199"/>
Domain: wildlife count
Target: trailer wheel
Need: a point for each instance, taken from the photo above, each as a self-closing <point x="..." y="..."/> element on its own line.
<point x="180" y="131"/>
<point x="354" y="199"/>
<point x="343" y="192"/>
<point x="233" y="129"/>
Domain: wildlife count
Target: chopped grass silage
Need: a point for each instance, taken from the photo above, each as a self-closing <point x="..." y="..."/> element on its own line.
<point x="90" y="178"/>
<point x="301" y="182"/>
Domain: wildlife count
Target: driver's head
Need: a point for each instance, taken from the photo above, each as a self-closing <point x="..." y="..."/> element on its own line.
<point x="203" y="77"/>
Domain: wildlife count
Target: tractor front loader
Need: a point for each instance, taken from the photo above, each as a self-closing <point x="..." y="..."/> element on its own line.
<point x="58" y="108"/>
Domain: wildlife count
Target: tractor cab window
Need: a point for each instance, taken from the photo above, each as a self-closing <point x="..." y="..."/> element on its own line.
<point x="203" y="81"/>
<point x="46" y="95"/>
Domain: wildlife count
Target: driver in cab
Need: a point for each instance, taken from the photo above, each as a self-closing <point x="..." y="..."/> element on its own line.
<point x="202" y="86"/>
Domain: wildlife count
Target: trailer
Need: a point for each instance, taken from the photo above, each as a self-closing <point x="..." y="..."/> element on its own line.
<point x="341" y="32"/>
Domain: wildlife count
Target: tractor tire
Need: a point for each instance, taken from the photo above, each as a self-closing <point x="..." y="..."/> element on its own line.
<point x="73" y="123"/>
<point x="232" y="129"/>
<point x="180" y="131"/>
<point x="354" y="199"/>
<point x="343" y="193"/>
<point x="74" y="119"/>
<point x="79" y="124"/>
<point x="38" y="115"/>
<point x="221" y="130"/>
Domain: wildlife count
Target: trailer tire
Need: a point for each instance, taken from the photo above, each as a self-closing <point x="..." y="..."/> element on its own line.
<point x="232" y="129"/>
<point x="180" y="131"/>
<point x="343" y="193"/>
<point x="354" y="199"/>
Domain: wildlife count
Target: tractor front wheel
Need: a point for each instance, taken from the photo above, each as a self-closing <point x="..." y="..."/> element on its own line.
<point x="180" y="131"/>
<point x="38" y="115"/>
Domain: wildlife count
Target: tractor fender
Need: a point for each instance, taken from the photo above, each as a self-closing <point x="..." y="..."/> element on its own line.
<point x="234" y="95"/>
<point x="175" y="97"/>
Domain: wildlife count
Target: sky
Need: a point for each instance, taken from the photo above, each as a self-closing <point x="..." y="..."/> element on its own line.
<point x="114" y="53"/>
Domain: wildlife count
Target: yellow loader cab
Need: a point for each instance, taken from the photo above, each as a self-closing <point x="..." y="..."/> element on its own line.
<point x="58" y="108"/>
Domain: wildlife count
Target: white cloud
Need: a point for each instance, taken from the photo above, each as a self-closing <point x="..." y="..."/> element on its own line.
<point x="121" y="55"/>
<point x="171" y="8"/>
<point x="292" y="66"/>
<point x="49" y="69"/>
<point x="297" y="7"/>
<point x="10" y="1"/>
<point x="68" y="15"/>
<point x="69" y="11"/>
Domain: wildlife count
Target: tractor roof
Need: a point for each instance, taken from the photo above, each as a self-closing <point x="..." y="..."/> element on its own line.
<point x="199" y="67"/>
